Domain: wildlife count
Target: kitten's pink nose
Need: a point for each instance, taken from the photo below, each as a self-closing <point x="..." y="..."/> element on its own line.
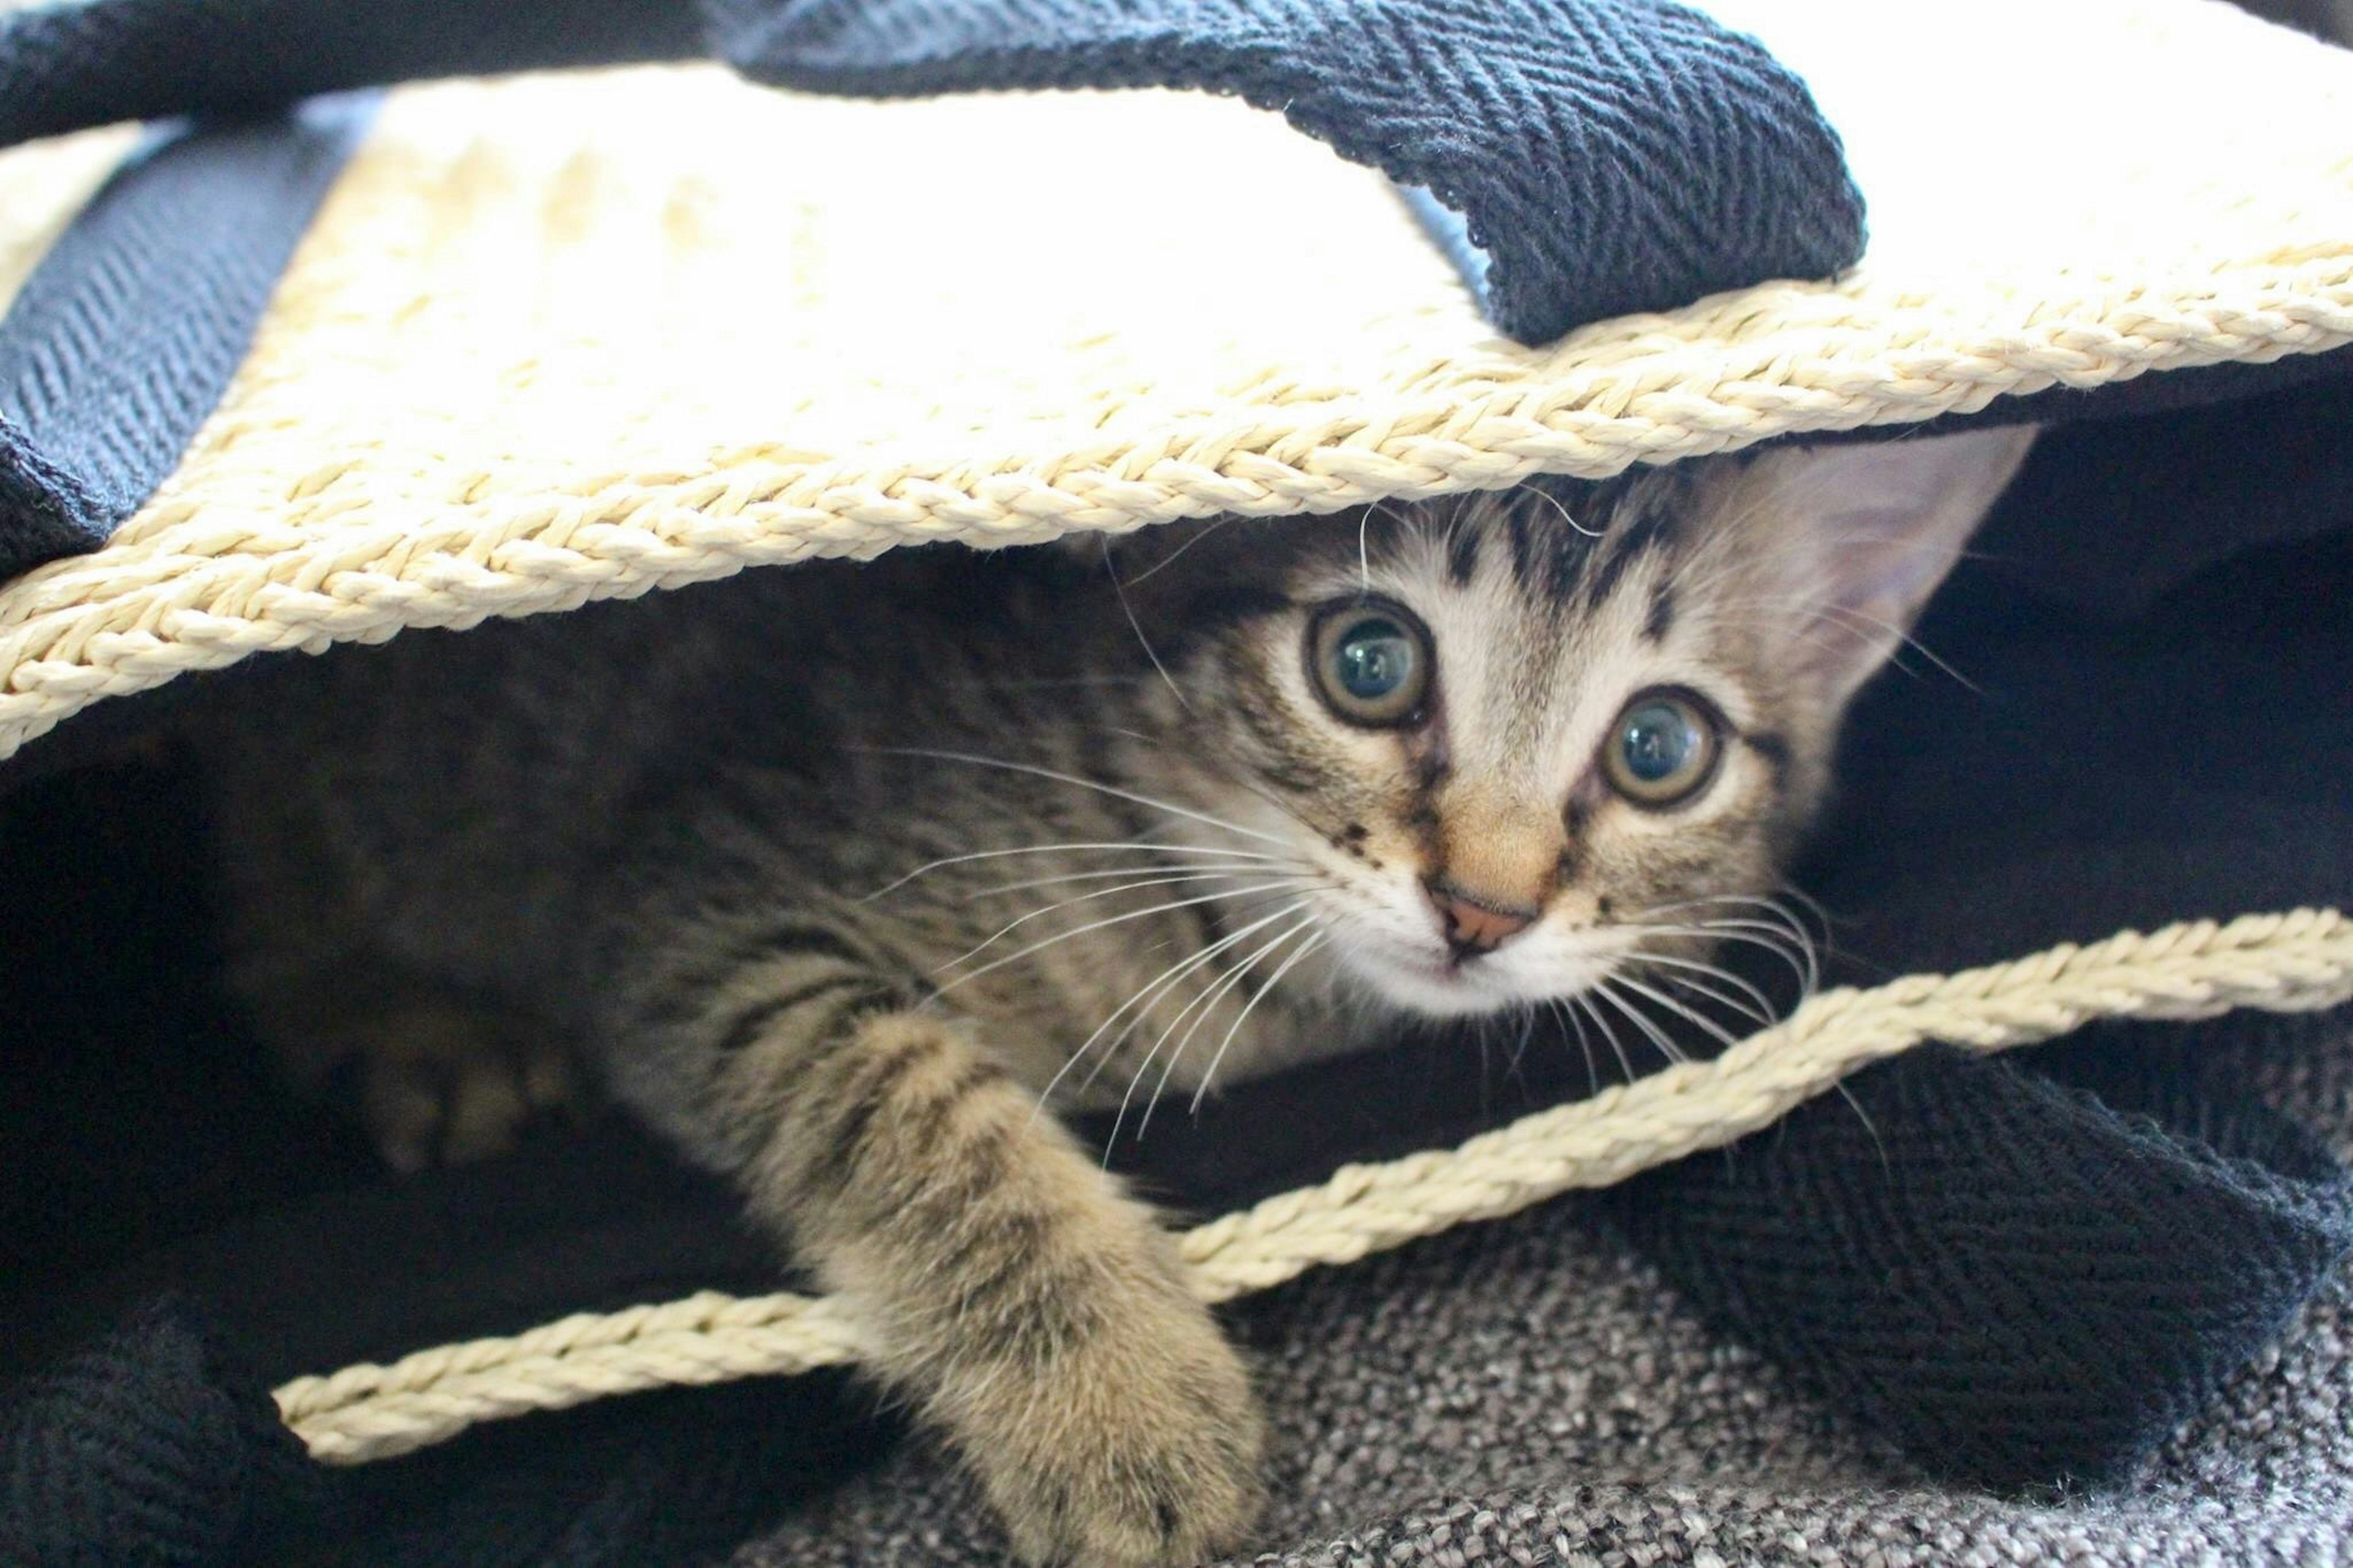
<point x="1475" y="924"/>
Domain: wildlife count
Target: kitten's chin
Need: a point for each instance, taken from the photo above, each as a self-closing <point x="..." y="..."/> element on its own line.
<point x="1429" y="984"/>
<point x="1431" y="987"/>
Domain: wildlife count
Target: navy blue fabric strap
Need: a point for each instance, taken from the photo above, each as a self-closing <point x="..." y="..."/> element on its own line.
<point x="73" y="63"/>
<point x="1605" y="155"/>
<point x="123" y="339"/>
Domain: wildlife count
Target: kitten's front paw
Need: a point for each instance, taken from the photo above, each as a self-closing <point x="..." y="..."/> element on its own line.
<point x="1137" y="1448"/>
<point x="447" y="1086"/>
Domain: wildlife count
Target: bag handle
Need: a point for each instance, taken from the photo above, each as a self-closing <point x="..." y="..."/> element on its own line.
<point x="1600" y="156"/>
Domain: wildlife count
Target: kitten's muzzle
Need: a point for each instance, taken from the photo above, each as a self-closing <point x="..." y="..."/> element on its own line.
<point x="1475" y="924"/>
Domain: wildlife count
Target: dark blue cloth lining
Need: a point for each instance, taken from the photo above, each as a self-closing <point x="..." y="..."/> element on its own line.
<point x="123" y="339"/>
<point x="1577" y="159"/>
<point x="2026" y="1284"/>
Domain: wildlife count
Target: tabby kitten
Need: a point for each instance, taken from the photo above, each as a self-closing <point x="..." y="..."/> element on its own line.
<point x="837" y="873"/>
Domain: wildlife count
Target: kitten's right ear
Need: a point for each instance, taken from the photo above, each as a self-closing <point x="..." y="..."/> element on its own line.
<point x="1854" y="538"/>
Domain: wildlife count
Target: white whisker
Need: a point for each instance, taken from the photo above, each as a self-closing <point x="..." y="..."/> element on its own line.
<point x="1222" y="869"/>
<point x="1035" y="772"/>
<point x="1273" y="979"/>
<point x="1572" y="1020"/>
<point x="1246" y="786"/>
<point x="1560" y="507"/>
<point x="1145" y="995"/>
<point x="1868" y="1126"/>
<point x="1519" y="1051"/>
<point x="1800" y="941"/>
<point x="1111" y="569"/>
<point x="1017" y="923"/>
<point x="1900" y="639"/>
<point x="1750" y="901"/>
<point x="1583" y="1001"/>
<point x="1205" y="1003"/>
<point x="1811" y="905"/>
<point x="1752" y="1003"/>
<point x="1035" y="947"/>
<point x="1681" y="1009"/>
<point x="1684" y="985"/>
<point x="1667" y="1047"/>
<point x="1195" y="1008"/>
<point x="1168" y="560"/>
<point x="1137" y="845"/>
<point x="1797" y="955"/>
<point x="1363" y="549"/>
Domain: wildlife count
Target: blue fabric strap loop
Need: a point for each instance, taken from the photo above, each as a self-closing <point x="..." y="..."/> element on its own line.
<point x="1607" y="156"/>
<point x="122" y="340"/>
<point x="73" y="63"/>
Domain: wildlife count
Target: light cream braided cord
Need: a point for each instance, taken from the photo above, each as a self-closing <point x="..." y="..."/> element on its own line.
<point x="2279" y="963"/>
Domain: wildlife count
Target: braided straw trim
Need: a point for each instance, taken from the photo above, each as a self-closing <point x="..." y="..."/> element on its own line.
<point x="448" y="415"/>
<point x="2297" y="962"/>
<point x="200" y="587"/>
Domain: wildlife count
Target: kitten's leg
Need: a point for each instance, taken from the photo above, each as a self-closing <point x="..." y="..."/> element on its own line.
<point x="439" y="1079"/>
<point x="1034" y="1312"/>
<point x="445" y="1084"/>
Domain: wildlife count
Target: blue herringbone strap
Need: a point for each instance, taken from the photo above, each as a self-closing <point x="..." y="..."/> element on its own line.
<point x="72" y="64"/>
<point x="122" y="341"/>
<point x="1606" y="155"/>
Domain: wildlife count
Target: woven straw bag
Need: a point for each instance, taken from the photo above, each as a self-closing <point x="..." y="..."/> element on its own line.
<point x="555" y="338"/>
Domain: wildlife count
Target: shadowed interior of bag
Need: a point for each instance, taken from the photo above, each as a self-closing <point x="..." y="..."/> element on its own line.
<point x="2147" y="629"/>
<point x="2135" y="716"/>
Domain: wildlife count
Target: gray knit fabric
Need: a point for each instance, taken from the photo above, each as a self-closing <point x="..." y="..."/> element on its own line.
<point x="1521" y="1393"/>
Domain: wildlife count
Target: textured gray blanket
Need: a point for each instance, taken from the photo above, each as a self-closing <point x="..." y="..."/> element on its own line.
<point x="1521" y="1393"/>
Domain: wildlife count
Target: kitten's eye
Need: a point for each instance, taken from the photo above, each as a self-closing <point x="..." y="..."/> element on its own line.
<point x="1661" y="750"/>
<point x="1371" y="663"/>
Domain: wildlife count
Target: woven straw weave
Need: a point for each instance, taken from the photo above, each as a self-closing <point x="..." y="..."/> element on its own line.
<point x="566" y="337"/>
<point x="561" y="338"/>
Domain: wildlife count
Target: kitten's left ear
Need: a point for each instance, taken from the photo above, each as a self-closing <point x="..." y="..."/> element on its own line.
<point x="1859" y="536"/>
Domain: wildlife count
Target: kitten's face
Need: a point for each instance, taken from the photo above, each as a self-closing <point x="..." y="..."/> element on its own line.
<point x="1513" y="740"/>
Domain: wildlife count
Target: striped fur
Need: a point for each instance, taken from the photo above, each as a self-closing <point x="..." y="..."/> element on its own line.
<point x="837" y="875"/>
